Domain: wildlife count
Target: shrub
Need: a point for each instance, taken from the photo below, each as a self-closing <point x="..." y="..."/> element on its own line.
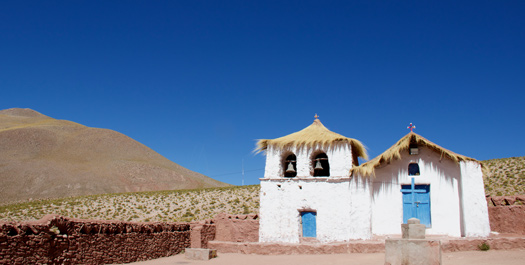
<point x="484" y="246"/>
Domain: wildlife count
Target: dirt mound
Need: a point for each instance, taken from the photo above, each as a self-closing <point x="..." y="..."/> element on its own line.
<point x="47" y="158"/>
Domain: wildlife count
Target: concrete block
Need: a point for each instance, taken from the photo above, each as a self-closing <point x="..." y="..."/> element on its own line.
<point x="412" y="252"/>
<point x="200" y="253"/>
<point x="412" y="221"/>
<point x="413" y="231"/>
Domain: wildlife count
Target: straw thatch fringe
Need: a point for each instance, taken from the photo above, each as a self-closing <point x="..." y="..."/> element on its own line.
<point x="393" y="153"/>
<point x="315" y="134"/>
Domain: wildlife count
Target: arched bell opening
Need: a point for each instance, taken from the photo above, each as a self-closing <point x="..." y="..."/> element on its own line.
<point x="290" y="166"/>
<point x="321" y="165"/>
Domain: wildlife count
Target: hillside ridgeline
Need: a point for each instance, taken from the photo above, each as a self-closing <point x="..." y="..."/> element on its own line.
<point x="43" y="157"/>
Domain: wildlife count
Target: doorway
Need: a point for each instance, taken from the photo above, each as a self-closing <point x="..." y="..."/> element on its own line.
<point x="309" y="225"/>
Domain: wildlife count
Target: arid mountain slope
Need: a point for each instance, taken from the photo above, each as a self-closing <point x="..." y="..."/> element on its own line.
<point x="41" y="157"/>
<point x="505" y="176"/>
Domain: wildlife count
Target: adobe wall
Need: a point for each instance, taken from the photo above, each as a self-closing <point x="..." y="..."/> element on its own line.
<point x="61" y="240"/>
<point x="507" y="214"/>
<point x="237" y="228"/>
<point x="201" y="233"/>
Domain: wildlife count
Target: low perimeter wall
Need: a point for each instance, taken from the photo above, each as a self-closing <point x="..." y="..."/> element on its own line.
<point x="507" y="214"/>
<point x="237" y="228"/>
<point x="59" y="240"/>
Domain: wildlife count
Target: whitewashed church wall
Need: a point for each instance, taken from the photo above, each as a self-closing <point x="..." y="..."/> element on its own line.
<point x="441" y="173"/>
<point x="273" y="162"/>
<point x="360" y="224"/>
<point x="475" y="211"/>
<point x="280" y="209"/>
<point x="303" y="161"/>
<point x="340" y="158"/>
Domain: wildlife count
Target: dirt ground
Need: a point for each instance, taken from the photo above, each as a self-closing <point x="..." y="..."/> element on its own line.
<point x="503" y="257"/>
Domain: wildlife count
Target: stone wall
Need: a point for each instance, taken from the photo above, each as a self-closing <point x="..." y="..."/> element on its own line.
<point x="507" y="214"/>
<point x="60" y="240"/>
<point x="237" y="228"/>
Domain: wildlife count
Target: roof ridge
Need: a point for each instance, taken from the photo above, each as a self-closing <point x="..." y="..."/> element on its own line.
<point x="394" y="152"/>
<point x="315" y="134"/>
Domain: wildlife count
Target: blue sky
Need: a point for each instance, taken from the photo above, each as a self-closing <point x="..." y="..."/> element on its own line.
<point x="200" y="81"/>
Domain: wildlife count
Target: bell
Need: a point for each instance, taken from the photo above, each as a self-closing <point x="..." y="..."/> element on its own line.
<point x="318" y="165"/>
<point x="290" y="168"/>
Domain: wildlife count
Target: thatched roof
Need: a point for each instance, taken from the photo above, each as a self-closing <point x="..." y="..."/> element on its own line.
<point x="315" y="134"/>
<point x="393" y="153"/>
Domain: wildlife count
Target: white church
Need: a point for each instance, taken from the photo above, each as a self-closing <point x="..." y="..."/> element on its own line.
<point x="315" y="190"/>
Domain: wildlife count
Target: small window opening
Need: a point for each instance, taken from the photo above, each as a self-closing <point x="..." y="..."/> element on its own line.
<point x="290" y="166"/>
<point x="413" y="169"/>
<point x="321" y="165"/>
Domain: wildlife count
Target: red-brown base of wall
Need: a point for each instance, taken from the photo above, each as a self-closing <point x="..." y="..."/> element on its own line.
<point x="448" y="245"/>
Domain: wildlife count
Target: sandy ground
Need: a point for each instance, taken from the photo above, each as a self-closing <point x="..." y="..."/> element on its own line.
<point x="506" y="257"/>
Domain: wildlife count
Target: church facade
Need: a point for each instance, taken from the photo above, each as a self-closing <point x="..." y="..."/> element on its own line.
<point x="314" y="189"/>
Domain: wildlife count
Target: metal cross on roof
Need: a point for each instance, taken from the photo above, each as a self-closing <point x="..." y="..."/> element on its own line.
<point x="316" y="117"/>
<point x="411" y="127"/>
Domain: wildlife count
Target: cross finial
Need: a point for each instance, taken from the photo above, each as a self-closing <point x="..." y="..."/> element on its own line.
<point x="411" y="127"/>
<point x="316" y="116"/>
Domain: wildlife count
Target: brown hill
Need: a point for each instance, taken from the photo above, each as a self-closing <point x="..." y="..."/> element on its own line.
<point x="41" y="157"/>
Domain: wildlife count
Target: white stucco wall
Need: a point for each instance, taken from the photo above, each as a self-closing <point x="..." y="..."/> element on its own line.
<point x="443" y="176"/>
<point x="341" y="206"/>
<point x="475" y="212"/>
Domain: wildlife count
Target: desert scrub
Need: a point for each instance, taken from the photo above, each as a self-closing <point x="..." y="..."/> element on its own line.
<point x="505" y="176"/>
<point x="484" y="246"/>
<point x="172" y="205"/>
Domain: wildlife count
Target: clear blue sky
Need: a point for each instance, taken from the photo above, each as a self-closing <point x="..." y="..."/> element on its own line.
<point x="200" y="81"/>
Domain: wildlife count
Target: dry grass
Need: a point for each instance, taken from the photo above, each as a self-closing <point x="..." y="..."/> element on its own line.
<point x="163" y="206"/>
<point x="505" y="176"/>
<point x="315" y="134"/>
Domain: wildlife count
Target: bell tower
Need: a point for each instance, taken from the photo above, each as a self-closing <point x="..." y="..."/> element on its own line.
<point x="305" y="171"/>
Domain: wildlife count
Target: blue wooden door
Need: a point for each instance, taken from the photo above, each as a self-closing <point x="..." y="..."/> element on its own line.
<point x="309" y="224"/>
<point x="416" y="203"/>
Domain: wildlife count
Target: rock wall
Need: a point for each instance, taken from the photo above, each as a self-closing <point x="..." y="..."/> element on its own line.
<point x="237" y="228"/>
<point x="60" y="240"/>
<point x="507" y="214"/>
